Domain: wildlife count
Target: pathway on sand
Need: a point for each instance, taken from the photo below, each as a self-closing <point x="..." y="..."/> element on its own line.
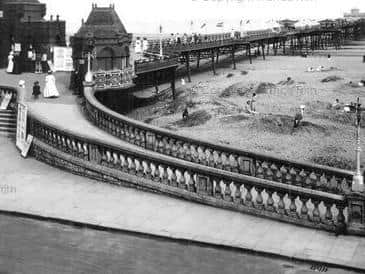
<point x="45" y="191"/>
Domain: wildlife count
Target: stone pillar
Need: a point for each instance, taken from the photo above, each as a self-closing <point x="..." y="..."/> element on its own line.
<point x="356" y="211"/>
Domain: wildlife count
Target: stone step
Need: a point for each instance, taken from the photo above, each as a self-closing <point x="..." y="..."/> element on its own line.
<point x="7" y="119"/>
<point x="7" y="134"/>
<point x="7" y="114"/>
<point x="7" y="129"/>
<point x="7" y="125"/>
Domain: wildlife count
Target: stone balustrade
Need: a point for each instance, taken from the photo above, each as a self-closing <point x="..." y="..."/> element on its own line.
<point x="204" y="184"/>
<point x="293" y="173"/>
<point x="115" y="79"/>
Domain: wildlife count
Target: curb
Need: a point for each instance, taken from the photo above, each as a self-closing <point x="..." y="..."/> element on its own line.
<point x="82" y="225"/>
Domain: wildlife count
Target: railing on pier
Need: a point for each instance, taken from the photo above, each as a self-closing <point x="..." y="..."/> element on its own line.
<point x="155" y="64"/>
<point x="220" y="188"/>
<point x="292" y="173"/>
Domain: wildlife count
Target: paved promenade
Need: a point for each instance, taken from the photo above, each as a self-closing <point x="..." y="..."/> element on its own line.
<point x="31" y="187"/>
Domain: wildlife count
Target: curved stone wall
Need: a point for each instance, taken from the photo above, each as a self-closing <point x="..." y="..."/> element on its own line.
<point x="222" y="157"/>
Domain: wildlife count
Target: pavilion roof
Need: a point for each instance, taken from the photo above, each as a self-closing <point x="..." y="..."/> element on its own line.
<point x="102" y="22"/>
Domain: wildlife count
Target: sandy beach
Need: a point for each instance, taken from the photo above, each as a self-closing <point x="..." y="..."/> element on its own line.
<point x="217" y="107"/>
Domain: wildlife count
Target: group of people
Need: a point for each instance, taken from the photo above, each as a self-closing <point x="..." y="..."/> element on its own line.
<point x="50" y="89"/>
<point x="18" y="64"/>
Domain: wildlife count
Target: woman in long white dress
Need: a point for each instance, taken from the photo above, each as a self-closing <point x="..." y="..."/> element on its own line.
<point x="10" y="63"/>
<point x="50" y="89"/>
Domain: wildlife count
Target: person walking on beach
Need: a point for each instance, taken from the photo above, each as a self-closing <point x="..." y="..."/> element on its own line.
<point x="36" y="90"/>
<point x="50" y="90"/>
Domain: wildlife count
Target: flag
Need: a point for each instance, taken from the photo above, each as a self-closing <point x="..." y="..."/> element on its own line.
<point x="160" y="28"/>
<point x="248" y="21"/>
<point x="220" y="25"/>
<point x="191" y="23"/>
<point x="203" y="25"/>
<point x="241" y="23"/>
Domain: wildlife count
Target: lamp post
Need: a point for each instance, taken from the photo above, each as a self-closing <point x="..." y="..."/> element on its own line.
<point x="358" y="180"/>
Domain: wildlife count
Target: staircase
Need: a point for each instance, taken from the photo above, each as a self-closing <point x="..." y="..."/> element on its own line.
<point x="7" y="123"/>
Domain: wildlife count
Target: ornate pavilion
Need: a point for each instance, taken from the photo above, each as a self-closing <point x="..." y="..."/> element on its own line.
<point x="103" y="43"/>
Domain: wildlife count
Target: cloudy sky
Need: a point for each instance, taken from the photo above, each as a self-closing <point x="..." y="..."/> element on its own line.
<point x="145" y="16"/>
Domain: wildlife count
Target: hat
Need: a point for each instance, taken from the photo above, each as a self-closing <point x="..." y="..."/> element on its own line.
<point x="21" y="83"/>
<point x="302" y="106"/>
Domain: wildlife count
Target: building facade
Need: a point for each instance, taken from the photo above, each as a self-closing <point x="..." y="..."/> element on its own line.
<point x="23" y="28"/>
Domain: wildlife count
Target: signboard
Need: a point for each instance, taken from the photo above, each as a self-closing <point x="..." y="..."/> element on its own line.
<point x="27" y="145"/>
<point x="1" y="14"/>
<point x="21" y="127"/>
<point x="62" y="59"/>
<point x="17" y="47"/>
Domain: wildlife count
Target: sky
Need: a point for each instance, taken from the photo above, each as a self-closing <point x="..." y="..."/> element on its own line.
<point x="145" y="16"/>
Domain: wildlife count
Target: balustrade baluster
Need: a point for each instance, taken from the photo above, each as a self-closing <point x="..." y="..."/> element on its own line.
<point x="86" y="152"/>
<point x="219" y="161"/>
<point x="139" y="168"/>
<point x="313" y="178"/>
<point x="148" y="171"/>
<point x="328" y="214"/>
<point x="316" y="213"/>
<point x="237" y="194"/>
<point x="333" y="185"/>
<point x="191" y="185"/>
<point x="259" y="200"/>
<point x="304" y="212"/>
<point x="123" y="163"/>
<point x="292" y="212"/>
<point x="248" y="197"/>
<point x="234" y="163"/>
<point x="182" y="182"/>
<point x="270" y="203"/>
<point x="227" y="192"/>
<point x="156" y="174"/>
<point x="165" y="176"/>
<point x="217" y="189"/>
<point x="174" y="148"/>
<point x="173" y="179"/>
<point x="210" y="158"/>
<point x="131" y="166"/>
<point x="281" y="203"/>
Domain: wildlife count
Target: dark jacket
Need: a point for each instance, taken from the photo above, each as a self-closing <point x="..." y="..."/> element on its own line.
<point x="36" y="90"/>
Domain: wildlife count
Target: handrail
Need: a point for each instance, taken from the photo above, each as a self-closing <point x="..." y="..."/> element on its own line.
<point x="208" y="185"/>
<point x="223" y="157"/>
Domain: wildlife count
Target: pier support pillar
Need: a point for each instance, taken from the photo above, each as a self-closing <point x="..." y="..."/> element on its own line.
<point x="249" y="53"/>
<point x="187" y="57"/>
<point x="198" y="60"/>
<point x="173" y="79"/>
<point x="263" y="50"/>
<point x="233" y="57"/>
<point x="213" y="62"/>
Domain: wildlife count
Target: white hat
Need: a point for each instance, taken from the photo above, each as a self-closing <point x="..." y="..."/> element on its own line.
<point x="302" y="106"/>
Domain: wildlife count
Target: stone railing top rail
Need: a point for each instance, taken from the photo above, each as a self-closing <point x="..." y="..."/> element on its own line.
<point x="89" y="95"/>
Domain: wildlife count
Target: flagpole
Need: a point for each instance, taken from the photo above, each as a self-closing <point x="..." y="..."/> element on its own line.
<point x="161" y="50"/>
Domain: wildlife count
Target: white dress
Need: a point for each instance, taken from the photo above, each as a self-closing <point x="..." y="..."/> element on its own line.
<point x="10" y="64"/>
<point x="50" y="89"/>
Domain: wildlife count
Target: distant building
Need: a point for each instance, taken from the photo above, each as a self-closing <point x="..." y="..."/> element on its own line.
<point x="288" y="24"/>
<point x="355" y="13"/>
<point x="22" y="24"/>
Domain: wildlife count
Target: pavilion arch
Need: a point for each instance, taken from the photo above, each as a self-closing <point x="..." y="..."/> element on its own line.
<point x="105" y="58"/>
